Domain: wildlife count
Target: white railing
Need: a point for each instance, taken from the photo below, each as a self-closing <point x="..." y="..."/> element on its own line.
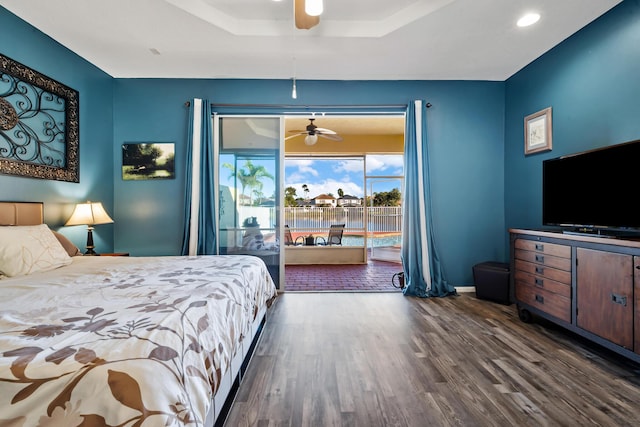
<point x="383" y="219"/>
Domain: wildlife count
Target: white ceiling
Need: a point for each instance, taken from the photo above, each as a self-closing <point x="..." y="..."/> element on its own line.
<point x="360" y="125"/>
<point x="355" y="39"/>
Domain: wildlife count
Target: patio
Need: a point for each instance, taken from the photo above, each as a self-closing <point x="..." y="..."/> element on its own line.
<point x="372" y="277"/>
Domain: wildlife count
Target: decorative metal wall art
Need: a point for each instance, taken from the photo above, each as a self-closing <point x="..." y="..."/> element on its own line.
<point x="39" y="122"/>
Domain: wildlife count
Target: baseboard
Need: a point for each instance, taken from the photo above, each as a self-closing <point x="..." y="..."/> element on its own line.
<point x="461" y="289"/>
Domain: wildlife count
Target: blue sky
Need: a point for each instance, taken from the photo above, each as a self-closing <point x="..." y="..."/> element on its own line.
<point x="323" y="176"/>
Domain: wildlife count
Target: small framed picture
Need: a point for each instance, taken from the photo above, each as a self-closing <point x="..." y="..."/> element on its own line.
<point x="538" y="132"/>
<point x="148" y="160"/>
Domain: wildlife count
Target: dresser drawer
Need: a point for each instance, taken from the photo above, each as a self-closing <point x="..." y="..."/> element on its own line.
<point x="543" y="259"/>
<point x="562" y="276"/>
<point x="553" y="304"/>
<point x="543" y="283"/>
<point x="563" y="251"/>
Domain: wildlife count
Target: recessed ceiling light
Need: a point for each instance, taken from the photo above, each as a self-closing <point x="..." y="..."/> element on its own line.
<point x="528" y="19"/>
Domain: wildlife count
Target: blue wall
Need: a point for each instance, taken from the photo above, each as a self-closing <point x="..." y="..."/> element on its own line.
<point x="465" y="131"/>
<point x="482" y="182"/>
<point x="592" y="82"/>
<point x="21" y="42"/>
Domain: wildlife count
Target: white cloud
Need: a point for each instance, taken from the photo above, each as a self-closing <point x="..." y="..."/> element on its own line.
<point x="325" y="187"/>
<point x="304" y="166"/>
<point x="349" y="166"/>
<point x="374" y="163"/>
<point x="297" y="162"/>
<point x="294" y="177"/>
<point x="323" y="176"/>
<point x="385" y="162"/>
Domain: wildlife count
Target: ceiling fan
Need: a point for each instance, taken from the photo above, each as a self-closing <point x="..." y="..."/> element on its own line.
<point x="313" y="132"/>
<point x="305" y="20"/>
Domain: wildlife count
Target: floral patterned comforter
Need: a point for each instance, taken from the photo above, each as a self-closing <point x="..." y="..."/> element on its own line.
<point x="120" y="341"/>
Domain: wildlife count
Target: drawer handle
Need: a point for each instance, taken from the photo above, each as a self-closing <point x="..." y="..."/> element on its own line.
<point x="539" y="283"/>
<point x="540" y="299"/>
<point x="619" y="299"/>
<point x="539" y="270"/>
<point x="539" y="258"/>
<point x="539" y="247"/>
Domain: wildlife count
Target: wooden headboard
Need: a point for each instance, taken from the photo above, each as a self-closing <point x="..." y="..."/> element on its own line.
<point x="21" y="213"/>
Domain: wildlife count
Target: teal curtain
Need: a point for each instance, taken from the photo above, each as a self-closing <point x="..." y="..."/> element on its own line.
<point x="199" y="237"/>
<point x="424" y="275"/>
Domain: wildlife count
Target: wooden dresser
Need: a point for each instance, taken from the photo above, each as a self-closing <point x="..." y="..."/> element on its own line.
<point x="588" y="284"/>
<point x="542" y="273"/>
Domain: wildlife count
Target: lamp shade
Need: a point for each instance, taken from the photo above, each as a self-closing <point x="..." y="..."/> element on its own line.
<point x="90" y="213"/>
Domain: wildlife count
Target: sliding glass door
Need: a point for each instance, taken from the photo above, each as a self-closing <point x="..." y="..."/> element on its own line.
<point x="385" y="180"/>
<point x="248" y="153"/>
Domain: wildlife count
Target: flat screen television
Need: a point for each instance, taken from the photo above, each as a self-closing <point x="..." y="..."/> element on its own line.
<point x="594" y="191"/>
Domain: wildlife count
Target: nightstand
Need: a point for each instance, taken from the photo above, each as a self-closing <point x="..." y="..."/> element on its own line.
<point x="116" y="254"/>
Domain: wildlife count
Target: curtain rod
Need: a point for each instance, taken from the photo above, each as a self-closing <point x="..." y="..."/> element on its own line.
<point x="315" y="107"/>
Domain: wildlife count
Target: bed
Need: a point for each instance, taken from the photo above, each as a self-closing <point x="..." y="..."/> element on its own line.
<point x="126" y="341"/>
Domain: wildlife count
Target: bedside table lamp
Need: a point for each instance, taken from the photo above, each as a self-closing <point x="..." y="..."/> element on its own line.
<point x="89" y="214"/>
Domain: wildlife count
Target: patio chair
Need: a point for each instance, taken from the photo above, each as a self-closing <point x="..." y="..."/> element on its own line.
<point x="334" y="237"/>
<point x="288" y="239"/>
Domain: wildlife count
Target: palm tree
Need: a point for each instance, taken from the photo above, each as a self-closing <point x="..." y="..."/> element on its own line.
<point x="305" y="188"/>
<point x="259" y="196"/>
<point x="290" y="196"/>
<point x="250" y="176"/>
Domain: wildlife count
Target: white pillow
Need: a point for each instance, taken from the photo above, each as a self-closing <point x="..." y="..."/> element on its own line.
<point x="29" y="249"/>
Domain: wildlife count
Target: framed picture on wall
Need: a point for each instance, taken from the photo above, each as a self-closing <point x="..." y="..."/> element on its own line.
<point x="148" y="160"/>
<point x="538" y="132"/>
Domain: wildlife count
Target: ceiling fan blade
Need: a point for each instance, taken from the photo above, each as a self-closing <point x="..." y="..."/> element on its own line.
<point x="293" y="136"/>
<point x="303" y="21"/>
<point x="326" y="131"/>
<point x="333" y="137"/>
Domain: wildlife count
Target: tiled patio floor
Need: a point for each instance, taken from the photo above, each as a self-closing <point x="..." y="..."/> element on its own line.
<point x="372" y="277"/>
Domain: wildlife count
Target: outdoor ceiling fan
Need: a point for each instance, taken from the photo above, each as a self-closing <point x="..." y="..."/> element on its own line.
<point x="312" y="133"/>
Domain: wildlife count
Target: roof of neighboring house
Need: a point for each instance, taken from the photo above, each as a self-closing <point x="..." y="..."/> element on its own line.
<point x="349" y="197"/>
<point x="324" y="197"/>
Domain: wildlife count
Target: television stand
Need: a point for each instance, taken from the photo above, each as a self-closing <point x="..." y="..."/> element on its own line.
<point x="590" y="233"/>
<point x="602" y="233"/>
<point x="585" y="284"/>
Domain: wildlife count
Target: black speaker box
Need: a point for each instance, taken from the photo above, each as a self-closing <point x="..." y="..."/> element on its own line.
<point x="492" y="281"/>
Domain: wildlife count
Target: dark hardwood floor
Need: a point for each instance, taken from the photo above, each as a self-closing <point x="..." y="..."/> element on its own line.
<point x="383" y="359"/>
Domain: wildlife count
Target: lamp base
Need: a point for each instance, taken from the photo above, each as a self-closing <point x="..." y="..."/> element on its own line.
<point x="90" y="246"/>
